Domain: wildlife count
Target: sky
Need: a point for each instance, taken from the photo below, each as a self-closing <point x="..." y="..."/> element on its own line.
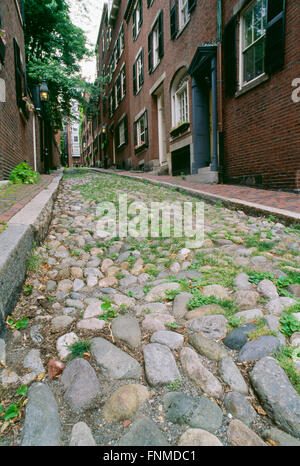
<point x="87" y="15"/>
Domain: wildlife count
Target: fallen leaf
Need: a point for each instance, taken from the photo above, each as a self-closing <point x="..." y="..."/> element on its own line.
<point x="41" y="376"/>
<point x="4" y="427"/>
<point x="126" y="423"/>
<point x="272" y="442"/>
<point x="259" y="410"/>
<point x="55" y="368"/>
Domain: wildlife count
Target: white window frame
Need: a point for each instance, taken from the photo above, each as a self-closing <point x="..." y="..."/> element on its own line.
<point x="137" y="14"/>
<point x="140" y="135"/>
<point x="123" y="81"/>
<point x="139" y="68"/>
<point x="184" y="15"/>
<point x="243" y="49"/>
<point x="155" y="46"/>
<point x="121" y="129"/>
<point x="180" y="88"/>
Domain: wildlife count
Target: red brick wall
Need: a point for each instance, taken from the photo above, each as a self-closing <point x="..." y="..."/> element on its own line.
<point x="262" y="127"/>
<point x="201" y="28"/>
<point x="16" y="134"/>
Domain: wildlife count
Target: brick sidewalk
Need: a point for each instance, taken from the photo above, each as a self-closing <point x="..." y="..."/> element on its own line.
<point x="14" y="197"/>
<point x="271" y="199"/>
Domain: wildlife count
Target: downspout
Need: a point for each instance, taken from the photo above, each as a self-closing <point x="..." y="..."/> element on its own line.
<point x="220" y="88"/>
<point x="215" y="161"/>
<point x="34" y="143"/>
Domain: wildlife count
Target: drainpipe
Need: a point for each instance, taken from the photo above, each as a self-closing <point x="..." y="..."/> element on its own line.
<point x="220" y="88"/>
<point x="214" y="162"/>
<point x="34" y="143"/>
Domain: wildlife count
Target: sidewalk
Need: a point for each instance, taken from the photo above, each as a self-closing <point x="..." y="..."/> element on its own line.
<point x="13" y="197"/>
<point x="283" y="205"/>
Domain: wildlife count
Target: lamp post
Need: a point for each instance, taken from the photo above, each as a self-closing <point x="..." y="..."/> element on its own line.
<point x="104" y="136"/>
<point x="44" y="96"/>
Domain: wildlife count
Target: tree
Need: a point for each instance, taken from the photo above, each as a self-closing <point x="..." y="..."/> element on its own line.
<point x="54" y="49"/>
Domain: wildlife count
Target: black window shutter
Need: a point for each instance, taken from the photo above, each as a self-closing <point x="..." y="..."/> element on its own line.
<point x="141" y="13"/>
<point x="117" y="136"/>
<point x="134" y="79"/>
<point x="124" y="80"/>
<point x="161" y="34"/>
<point x="134" y="25"/>
<point x="126" y="129"/>
<point x="146" y="128"/>
<point x="173" y="21"/>
<point x="150" y="52"/>
<point x="18" y="73"/>
<point x="275" y="36"/>
<point x="119" y="88"/>
<point x="230" y="56"/>
<point x="142" y="67"/>
<point x="135" y="133"/>
<point x="192" y="4"/>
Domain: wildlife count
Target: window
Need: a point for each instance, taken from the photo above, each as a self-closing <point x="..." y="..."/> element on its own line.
<point x="180" y="12"/>
<point x="253" y="35"/>
<point x="21" y="90"/>
<point x="141" y="132"/>
<point x="118" y="91"/>
<point x="137" y="18"/>
<point x="123" y="82"/>
<point x="184" y="15"/>
<point x="180" y="98"/>
<point x="138" y="73"/>
<point x="122" y="133"/>
<point x="122" y="39"/>
<point x="156" y="43"/>
<point x="108" y="37"/>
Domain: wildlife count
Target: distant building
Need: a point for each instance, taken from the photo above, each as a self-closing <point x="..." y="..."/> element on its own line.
<point x="72" y="147"/>
<point x="201" y="88"/>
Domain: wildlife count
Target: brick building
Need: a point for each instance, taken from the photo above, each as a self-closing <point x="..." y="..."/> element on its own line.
<point x="195" y="88"/>
<point x="21" y="126"/>
<point x="261" y="120"/>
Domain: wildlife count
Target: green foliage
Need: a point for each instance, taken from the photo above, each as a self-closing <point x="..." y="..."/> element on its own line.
<point x="174" y="386"/>
<point x="171" y="294"/>
<point x="22" y="173"/>
<point x="14" y="323"/>
<point x="261" y="330"/>
<point x="33" y="262"/>
<point x="289" y="324"/>
<point x="109" y="312"/>
<point x="284" y="357"/>
<point x="171" y="325"/>
<point x="78" y="349"/>
<point x="28" y="290"/>
<point x="234" y="322"/>
<point x="54" y="49"/>
<point x="13" y="410"/>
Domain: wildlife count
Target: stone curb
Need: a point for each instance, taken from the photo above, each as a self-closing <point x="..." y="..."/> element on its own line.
<point x="250" y="208"/>
<point x="27" y="228"/>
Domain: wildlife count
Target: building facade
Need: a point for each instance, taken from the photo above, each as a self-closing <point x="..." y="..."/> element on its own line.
<point x="19" y="127"/>
<point x="200" y="88"/>
<point x="24" y="136"/>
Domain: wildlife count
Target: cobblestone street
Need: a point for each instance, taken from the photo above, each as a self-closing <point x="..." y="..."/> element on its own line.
<point x="142" y="341"/>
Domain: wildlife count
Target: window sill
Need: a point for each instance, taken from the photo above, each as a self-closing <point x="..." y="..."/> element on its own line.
<point x="252" y="85"/>
<point x="141" y="148"/>
<point x="182" y="29"/>
<point x="121" y="147"/>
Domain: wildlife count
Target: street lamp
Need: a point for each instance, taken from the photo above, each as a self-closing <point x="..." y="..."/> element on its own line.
<point x="44" y="95"/>
<point x="44" y="91"/>
<point x="104" y="141"/>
